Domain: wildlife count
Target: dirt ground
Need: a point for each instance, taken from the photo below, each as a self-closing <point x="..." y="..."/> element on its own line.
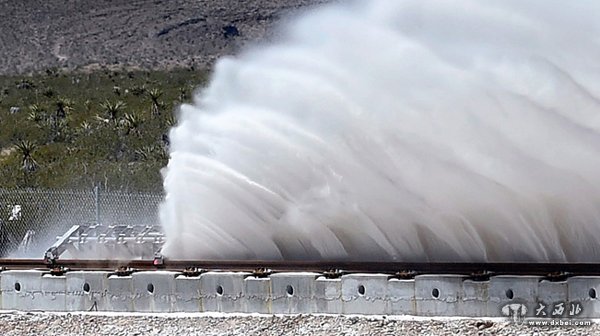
<point x="36" y="35"/>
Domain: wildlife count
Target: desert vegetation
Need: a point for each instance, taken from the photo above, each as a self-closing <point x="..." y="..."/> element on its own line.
<point x="88" y="89"/>
<point x="105" y="128"/>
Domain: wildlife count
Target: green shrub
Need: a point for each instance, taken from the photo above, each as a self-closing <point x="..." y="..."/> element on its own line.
<point x="79" y="131"/>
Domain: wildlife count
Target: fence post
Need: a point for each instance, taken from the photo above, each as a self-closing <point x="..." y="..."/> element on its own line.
<point x="97" y="204"/>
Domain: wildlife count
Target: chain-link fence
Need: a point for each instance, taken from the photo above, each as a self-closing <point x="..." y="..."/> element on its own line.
<point x="39" y="216"/>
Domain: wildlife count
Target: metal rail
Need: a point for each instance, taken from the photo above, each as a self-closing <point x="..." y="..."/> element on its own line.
<point x="406" y="268"/>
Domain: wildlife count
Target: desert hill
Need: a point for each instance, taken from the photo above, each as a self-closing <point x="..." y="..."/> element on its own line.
<point x="36" y="35"/>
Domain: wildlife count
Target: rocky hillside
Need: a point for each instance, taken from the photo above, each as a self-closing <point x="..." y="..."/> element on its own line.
<point x="36" y="35"/>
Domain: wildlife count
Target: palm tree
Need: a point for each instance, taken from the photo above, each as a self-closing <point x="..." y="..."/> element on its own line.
<point x="183" y="93"/>
<point x="85" y="128"/>
<point x="25" y="84"/>
<point x="170" y="121"/>
<point x="36" y="114"/>
<point x="137" y="90"/>
<point x="155" y="95"/>
<point x="112" y="109"/>
<point x="25" y="149"/>
<point x="132" y="123"/>
<point x="88" y="105"/>
<point x="144" y="153"/>
<point x="58" y="122"/>
<point x="150" y="153"/>
<point x="63" y="105"/>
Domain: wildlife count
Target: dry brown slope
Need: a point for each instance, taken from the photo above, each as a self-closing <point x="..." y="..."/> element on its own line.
<point x="40" y="34"/>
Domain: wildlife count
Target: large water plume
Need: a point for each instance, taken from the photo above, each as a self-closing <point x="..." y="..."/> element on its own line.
<point x="398" y="130"/>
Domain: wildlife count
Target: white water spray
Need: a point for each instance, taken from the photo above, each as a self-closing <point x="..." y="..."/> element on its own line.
<point x="414" y="130"/>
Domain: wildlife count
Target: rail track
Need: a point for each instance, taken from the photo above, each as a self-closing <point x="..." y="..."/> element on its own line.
<point x="407" y="269"/>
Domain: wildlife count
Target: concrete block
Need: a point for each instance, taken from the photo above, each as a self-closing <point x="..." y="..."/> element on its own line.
<point x="364" y="293"/>
<point x="188" y="297"/>
<point x="86" y="291"/>
<point x="257" y="295"/>
<point x="293" y="293"/>
<point x="401" y="297"/>
<point x="585" y="292"/>
<point x="223" y="291"/>
<point x="475" y="297"/>
<point x="154" y="291"/>
<point x="53" y="293"/>
<point x="119" y="294"/>
<point x="438" y="295"/>
<point x="552" y="299"/>
<point x="32" y="290"/>
<point x="507" y="289"/>
<point x="19" y="288"/>
<point x="328" y="295"/>
<point x="552" y="291"/>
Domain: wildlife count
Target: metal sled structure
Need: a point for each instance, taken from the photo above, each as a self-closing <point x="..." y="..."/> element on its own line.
<point x="98" y="241"/>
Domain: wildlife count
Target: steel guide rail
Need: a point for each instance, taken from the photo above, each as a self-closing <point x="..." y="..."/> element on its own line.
<point x="405" y="268"/>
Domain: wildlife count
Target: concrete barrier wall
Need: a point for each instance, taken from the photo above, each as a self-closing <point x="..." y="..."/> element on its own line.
<point x="365" y="292"/>
<point x="585" y="290"/>
<point x="293" y="293"/>
<point x="187" y="294"/>
<point x="87" y="291"/>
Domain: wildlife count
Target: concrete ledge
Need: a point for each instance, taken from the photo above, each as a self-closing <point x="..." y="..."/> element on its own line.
<point x="188" y="297"/>
<point x="54" y="293"/>
<point x="295" y="293"/>
<point x="154" y="291"/>
<point x="223" y="291"/>
<point x="506" y="289"/>
<point x="365" y="292"/>
<point x="86" y="291"/>
<point x="257" y="295"/>
<point x="551" y="292"/>
<point x="401" y="297"/>
<point x="585" y="291"/>
<point x="119" y="294"/>
<point x="32" y="290"/>
<point x="475" y="298"/>
<point x="438" y="295"/>
<point x="328" y="295"/>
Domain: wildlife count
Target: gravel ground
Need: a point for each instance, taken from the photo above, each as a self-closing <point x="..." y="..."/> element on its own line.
<point x="98" y="324"/>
